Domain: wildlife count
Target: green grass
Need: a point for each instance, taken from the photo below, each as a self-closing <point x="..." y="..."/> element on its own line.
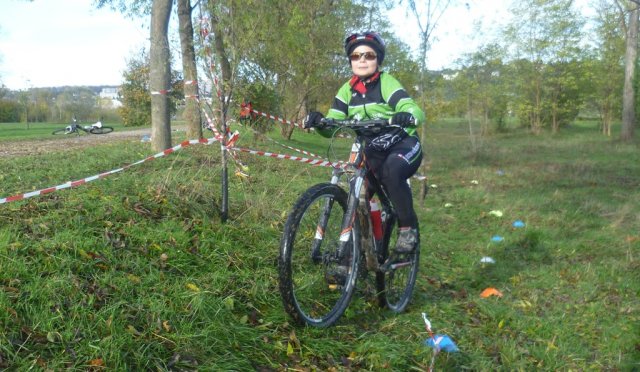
<point x="136" y="271"/>
<point x="35" y="131"/>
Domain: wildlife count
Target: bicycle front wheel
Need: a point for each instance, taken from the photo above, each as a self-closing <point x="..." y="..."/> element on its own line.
<point x="101" y="130"/>
<point x="317" y="270"/>
<point x="397" y="279"/>
<point x="60" y="131"/>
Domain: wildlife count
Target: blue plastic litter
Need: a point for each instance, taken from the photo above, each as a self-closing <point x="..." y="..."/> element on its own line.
<point x="441" y="342"/>
<point x="518" y="223"/>
<point x="497" y="238"/>
<point x="500" y="172"/>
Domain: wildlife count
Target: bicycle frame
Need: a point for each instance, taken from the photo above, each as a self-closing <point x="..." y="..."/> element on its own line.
<point x="95" y="128"/>
<point x="338" y="225"/>
<point x="358" y="208"/>
<point x="73" y="128"/>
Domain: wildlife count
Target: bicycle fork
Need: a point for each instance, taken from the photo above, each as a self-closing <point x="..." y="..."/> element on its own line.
<point x="316" y="255"/>
<point x="358" y="206"/>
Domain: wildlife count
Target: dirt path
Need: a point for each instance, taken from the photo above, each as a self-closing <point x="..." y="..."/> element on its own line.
<point x="68" y="142"/>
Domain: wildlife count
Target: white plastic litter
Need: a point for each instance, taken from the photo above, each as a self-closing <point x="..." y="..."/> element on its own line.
<point x="488" y="260"/>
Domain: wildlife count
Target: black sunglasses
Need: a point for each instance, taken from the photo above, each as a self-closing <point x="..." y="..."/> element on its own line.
<point x="369" y="56"/>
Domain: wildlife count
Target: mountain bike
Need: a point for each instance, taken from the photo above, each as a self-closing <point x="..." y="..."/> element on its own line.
<point x="330" y="228"/>
<point x="95" y="128"/>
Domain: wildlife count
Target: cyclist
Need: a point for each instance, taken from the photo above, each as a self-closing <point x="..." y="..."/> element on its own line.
<point x="393" y="155"/>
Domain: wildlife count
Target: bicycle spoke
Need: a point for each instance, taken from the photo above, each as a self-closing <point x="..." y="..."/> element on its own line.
<point x="310" y="291"/>
<point x="397" y="277"/>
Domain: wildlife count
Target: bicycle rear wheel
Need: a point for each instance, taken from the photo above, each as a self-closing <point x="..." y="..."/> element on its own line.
<point x="60" y="131"/>
<point x="309" y="252"/>
<point x="101" y="130"/>
<point x="395" y="283"/>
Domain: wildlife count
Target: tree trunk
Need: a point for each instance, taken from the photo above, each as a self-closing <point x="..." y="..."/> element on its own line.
<point x="160" y="75"/>
<point x="225" y="99"/>
<point x="537" y="122"/>
<point x="223" y="58"/>
<point x="472" y="136"/>
<point x="628" y="94"/>
<point x="191" y="113"/>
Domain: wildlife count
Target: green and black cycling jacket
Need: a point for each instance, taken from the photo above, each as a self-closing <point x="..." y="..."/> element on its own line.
<point x="383" y="98"/>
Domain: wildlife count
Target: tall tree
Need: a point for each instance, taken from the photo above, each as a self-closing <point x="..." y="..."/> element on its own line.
<point x="189" y="70"/>
<point x="224" y="91"/>
<point x="143" y="8"/>
<point x="134" y="92"/>
<point x="247" y="38"/>
<point x="480" y="87"/>
<point x="160" y="75"/>
<point x="630" y="61"/>
<point x="428" y="19"/>
<point x="607" y="64"/>
<point x="544" y="35"/>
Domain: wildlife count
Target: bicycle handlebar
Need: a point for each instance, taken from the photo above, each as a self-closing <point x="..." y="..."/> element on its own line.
<point x="359" y="126"/>
<point x="356" y="124"/>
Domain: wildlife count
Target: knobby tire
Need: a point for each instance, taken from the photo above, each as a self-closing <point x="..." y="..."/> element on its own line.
<point x="395" y="286"/>
<point x="308" y="294"/>
<point x="101" y="130"/>
<point x="60" y="131"/>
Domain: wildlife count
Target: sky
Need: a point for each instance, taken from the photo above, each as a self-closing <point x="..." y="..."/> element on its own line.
<point x="48" y="43"/>
<point x="455" y="32"/>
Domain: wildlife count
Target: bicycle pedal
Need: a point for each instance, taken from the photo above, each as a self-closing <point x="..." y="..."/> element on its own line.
<point x="396" y="261"/>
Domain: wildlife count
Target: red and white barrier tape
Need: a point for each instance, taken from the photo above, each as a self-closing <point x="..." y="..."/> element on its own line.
<point x="286" y="146"/>
<point x="204" y="33"/>
<point x="160" y="92"/>
<point x="83" y="181"/>
<point x="231" y="141"/>
<point x="277" y="118"/>
<point x="316" y="162"/>
<point x="297" y="150"/>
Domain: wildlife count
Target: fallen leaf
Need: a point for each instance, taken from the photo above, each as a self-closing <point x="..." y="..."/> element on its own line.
<point x="134" y="279"/>
<point x="54" y="337"/>
<point x="242" y="174"/>
<point x="141" y="210"/>
<point x="166" y="326"/>
<point x="490" y="292"/>
<point x="496" y="213"/>
<point x="229" y="303"/>
<point x="98" y="362"/>
<point x="193" y="287"/>
<point x="293" y="338"/>
<point x="131" y="329"/>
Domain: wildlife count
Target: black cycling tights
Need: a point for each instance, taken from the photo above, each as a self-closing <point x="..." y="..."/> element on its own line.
<point x="392" y="168"/>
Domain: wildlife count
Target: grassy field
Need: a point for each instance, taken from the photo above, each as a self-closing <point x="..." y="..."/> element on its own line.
<point x="136" y="271"/>
<point x="20" y="131"/>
